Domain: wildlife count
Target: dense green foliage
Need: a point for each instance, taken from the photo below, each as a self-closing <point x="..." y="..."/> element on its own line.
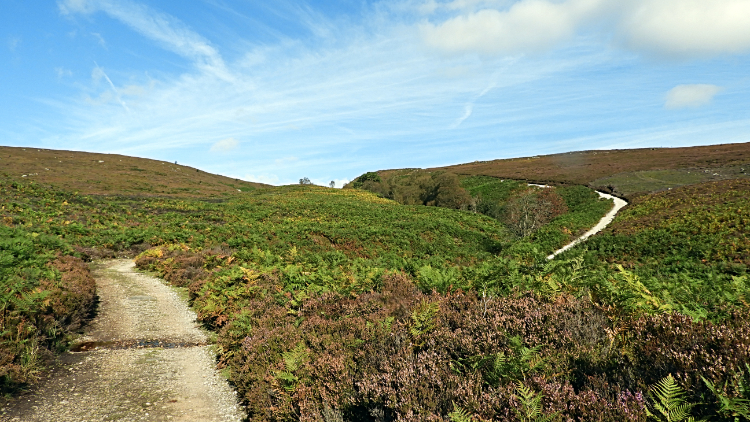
<point x="418" y="187"/>
<point x="43" y="299"/>
<point x="689" y="245"/>
<point x="339" y="304"/>
<point x="552" y="224"/>
<point x="491" y="193"/>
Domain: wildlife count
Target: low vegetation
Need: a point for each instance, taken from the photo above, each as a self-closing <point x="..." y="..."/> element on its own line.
<point x="629" y="172"/>
<point x="335" y="305"/>
<point x="45" y="297"/>
<point x="542" y="219"/>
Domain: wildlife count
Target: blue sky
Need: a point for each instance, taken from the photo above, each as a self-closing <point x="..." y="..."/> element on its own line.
<point x="277" y="91"/>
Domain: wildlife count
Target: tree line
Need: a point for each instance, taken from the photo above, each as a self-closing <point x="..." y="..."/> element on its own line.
<point x="525" y="211"/>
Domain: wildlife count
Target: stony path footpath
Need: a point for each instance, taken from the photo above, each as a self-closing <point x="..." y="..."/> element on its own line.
<point x="143" y="358"/>
<point x="601" y="225"/>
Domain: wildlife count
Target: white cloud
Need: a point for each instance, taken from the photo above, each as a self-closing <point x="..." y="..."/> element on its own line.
<point x="529" y="25"/>
<point x="225" y="145"/>
<point x="338" y="183"/>
<point x="684" y="96"/>
<point x="432" y="6"/>
<point x="672" y="28"/>
<point x="687" y="28"/>
<point x="171" y="33"/>
<point x="285" y="161"/>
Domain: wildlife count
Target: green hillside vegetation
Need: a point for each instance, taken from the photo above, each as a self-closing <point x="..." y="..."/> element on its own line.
<point x="345" y="305"/>
<point x="627" y="173"/>
<point x="543" y="219"/>
<point x="689" y="244"/>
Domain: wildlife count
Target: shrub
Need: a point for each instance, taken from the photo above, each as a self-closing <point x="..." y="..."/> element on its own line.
<point x="44" y="299"/>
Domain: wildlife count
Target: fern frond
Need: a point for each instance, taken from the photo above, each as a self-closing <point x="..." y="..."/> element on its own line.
<point x="294" y="358"/>
<point x="668" y="402"/>
<point x="459" y="415"/>
<point x="423" y="318"/>
<point x="531" y="405"/>
<point x="730" y="406"/>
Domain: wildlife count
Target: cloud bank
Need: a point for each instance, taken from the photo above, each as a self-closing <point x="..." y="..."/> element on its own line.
<point x="529" y="25"/>
<point x="664" y="28"/>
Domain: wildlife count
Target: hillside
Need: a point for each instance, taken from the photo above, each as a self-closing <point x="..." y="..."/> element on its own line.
<point x="629" y="173"/>
<point x="333" y="304"/>
<point x="112" y="174"/>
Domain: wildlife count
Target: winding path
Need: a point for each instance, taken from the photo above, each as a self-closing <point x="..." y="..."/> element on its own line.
<point x="143" y="358"/>
<point x="604" y="222"/>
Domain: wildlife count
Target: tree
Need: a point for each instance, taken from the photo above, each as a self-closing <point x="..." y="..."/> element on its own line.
<point x="449" y="193"/>
<point x="527" y="213"/>
<point x="332" y="184"/>
<point x="305" y="181"/>
<point x="367" y="177"/>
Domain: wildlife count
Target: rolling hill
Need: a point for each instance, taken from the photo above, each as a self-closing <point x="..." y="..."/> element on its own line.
<point x="112" y="174"/>
<point x="628" y="173"/>
<point x="343" y="305"/>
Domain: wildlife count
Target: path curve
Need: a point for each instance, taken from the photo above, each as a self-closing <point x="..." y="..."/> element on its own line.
<point x="601" y="225"/>
<point x="143" y="358"/>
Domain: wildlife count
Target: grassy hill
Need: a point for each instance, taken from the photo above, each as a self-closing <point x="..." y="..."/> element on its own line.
<point x="112" y="174"/>
<point x="342" y="305"/>
<point x="629" y="173"/>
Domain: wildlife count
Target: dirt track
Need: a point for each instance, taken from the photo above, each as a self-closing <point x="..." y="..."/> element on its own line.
<point x="601" y="225"/>
<point x="143" y="359"/>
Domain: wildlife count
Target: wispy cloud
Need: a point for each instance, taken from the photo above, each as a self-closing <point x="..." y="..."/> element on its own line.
<point x="169" y="32"/>
<point x="469" y="107"/>
<point x="690" y="96"/>
<point x="97" y="74"/>
<point x="378" y="97"/>
<point x="99" y="39"/>
<point x="62" y="72"/>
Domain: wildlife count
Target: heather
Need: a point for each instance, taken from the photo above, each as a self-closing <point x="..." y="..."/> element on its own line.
<point x="393" y="351"/>
<point x="46" y="296"/>
<point x="689" y="245"/>
<point x="342" y="305"/>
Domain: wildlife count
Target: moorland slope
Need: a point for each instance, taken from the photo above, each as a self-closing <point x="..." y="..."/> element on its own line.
<point x="628" y="172"/>
<point x="342" y="305"/>
<point x="113" y="174"/>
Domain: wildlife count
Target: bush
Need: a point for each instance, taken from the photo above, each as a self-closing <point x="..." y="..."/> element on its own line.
<point x="527" y="213"/>
<point x="43" y="301"/>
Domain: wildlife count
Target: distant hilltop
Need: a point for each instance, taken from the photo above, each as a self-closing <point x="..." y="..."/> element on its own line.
<point x="113" y="174"/>
<point x="624" y="172"/>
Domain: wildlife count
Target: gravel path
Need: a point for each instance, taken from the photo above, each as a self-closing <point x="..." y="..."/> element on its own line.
<point x="143" y="358"/>
<point x="603" y="223"/>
